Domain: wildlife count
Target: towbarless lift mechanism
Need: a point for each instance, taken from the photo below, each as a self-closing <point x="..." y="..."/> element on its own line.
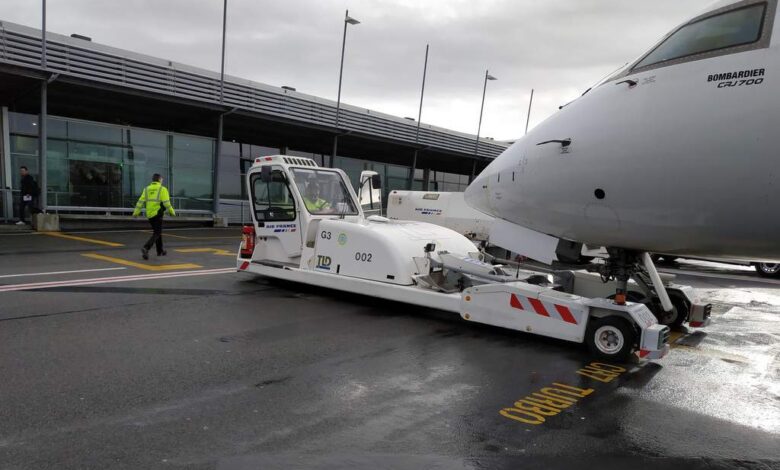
<point x="308" y="227"/>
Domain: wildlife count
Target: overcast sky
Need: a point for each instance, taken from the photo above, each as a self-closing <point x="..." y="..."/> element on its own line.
<point x="557" y="47"/>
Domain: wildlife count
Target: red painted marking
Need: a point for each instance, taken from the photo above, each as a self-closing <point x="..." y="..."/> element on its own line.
<point x="538" y="307"/>
<point x="643" y="352"/>
<point x="515" y="302"/>
<point x="565" y="314"/>
<point x="696" y="324"/>
<point x="244" y="265"/>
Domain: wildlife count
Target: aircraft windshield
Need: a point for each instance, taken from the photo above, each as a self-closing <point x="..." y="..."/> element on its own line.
<point x="733" y="28"/>
<point x="323" y="191"/>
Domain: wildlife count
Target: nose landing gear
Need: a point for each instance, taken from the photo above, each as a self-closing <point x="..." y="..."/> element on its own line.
<point x="623" y="265"/>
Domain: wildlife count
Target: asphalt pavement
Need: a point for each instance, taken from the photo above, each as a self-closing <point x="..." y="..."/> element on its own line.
<point x="110" y="361"/>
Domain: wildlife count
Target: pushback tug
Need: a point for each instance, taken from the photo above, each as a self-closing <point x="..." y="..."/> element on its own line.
<point x="308" y="227"/>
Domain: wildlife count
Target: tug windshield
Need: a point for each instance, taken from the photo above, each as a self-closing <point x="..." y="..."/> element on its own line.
<point x="324" y="192"/>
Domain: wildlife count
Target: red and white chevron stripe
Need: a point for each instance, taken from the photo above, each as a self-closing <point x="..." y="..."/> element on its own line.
<point x="545" y="309"/>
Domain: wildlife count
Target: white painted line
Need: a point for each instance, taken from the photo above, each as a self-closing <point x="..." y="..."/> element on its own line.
<point x="59" y="272"/>
<point x="106" y="280"/>
<point x="146" y="228"/>
<point x="731" y="277"/>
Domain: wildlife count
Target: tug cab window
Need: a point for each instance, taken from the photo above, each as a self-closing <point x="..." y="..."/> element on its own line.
<point x="324" y="192"/>
<point x="272" y="199"/>
<point x="725" y="30"/>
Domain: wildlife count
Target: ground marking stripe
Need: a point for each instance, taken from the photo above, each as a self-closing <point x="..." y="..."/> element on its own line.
<point x="236" y="237"/>
<point x="106" y="280"/>
<point x="147" y="267"/>
<point x="59" y="272"/>
<point x="82" y="239"/>
<point x="216" y="251"/>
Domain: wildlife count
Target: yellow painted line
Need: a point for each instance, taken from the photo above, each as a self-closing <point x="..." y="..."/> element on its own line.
<point x="674" y="336"/>
<point x="147" y="267"/>
<point x="716" y="353"/>
<point x="166" y="234"/>
<point x="82" y="239"/>
<point x="216" y="251"/>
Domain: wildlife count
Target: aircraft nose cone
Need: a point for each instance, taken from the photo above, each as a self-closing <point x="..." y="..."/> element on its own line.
<point x="476" y="195"/>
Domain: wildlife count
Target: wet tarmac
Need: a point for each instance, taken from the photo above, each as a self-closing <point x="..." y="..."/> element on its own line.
<point x="111" y="362"/>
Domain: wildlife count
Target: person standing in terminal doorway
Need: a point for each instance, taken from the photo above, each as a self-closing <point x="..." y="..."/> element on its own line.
<point x="155" y="197"/>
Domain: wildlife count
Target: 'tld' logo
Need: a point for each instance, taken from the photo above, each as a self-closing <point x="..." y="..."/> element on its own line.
<point x="323" y="262"/>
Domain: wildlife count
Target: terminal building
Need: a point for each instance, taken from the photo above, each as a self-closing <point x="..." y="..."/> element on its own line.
<point x="113" y="118"/>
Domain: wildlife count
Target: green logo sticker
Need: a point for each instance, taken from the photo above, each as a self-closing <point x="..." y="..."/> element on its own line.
<point x="342" y="239"/>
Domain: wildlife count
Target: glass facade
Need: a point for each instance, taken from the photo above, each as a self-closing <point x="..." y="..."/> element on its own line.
<point x="396" y="176"/>
<point x="450" y="182"/>
<point x="91" y="165"/>
<point x="235" y="159"/>
<point x="393" y="176"/>
<point x="94" y="165"/>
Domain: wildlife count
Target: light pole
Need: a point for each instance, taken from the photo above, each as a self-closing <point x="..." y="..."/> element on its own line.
<point x="479" y="127"/>
<point x="43" y="118"/>
<point x="528" y="117"/>
<point x="419" y="116"/>
<point x="222" y="68"/>
<point x="347" y="21"/>
<point x="220" y="119"/>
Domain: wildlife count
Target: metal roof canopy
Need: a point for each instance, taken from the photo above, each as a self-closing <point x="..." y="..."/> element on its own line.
<point x="136" y="83"/>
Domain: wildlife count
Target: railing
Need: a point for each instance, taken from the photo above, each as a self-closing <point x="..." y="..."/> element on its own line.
<point x="21" y="46"/>
<point x="57" y="206"/>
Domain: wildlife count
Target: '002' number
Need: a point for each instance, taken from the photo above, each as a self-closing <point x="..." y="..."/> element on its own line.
<point x="365" y="257"/>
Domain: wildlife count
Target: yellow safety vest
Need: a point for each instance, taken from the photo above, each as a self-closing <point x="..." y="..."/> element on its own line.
<point x="317" y="205"/>
<point x="154" y="196"/>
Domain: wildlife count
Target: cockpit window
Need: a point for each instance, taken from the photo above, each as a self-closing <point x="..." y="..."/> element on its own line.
<point x="733" y="28"/>
<point x="323" y="191"/>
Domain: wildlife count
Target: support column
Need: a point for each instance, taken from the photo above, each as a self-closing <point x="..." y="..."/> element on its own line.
<point x="410" y="185"/>
<point x="426" y="178"/>
<point x="217" y="155"/>
<point x="42" y="141"/>
<point x="5" y="161"/>
<point x="335" y="149"/>
<point x="473" y="171"/>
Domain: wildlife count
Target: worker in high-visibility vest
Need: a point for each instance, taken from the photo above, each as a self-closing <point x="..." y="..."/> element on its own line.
<point x="154" y="198"/>
<point x="311" y="198"/>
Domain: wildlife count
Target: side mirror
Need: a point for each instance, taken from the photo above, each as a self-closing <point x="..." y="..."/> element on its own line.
<point x="376" y="182"/>
<point x="265" y="174"/>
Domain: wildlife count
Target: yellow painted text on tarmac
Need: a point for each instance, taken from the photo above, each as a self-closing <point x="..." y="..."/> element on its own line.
<point x="537" y="407"/>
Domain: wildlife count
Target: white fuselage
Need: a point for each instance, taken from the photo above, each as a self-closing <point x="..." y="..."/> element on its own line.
<point x="684" y="161"/>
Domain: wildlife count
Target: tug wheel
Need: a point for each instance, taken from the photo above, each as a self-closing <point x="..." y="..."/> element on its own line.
<point x="610" y="338"/>
<point x="768" y="269"/>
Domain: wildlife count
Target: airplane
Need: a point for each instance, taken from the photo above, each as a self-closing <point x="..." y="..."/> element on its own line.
<point x="674" y="154"/>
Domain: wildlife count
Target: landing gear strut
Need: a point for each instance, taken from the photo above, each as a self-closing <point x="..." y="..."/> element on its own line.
<point x="623" y="265"/>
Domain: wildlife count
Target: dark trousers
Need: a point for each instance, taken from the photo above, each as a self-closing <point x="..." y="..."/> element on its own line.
<point x="156" y="238"/>
<point x="24" y="205"/>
